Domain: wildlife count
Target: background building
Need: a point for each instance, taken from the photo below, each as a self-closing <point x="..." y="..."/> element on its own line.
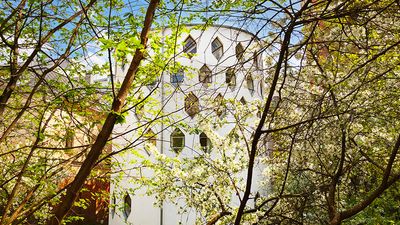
<point x="218" y="64"/>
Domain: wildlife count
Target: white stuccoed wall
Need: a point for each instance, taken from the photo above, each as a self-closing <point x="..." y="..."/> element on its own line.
<point x="143" y="212"/>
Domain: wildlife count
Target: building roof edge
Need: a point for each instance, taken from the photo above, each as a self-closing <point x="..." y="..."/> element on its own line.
<point x="221" y="26"/>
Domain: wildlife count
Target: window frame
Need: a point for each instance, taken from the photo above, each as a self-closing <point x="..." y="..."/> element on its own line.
<point x="127" y="205"/>
<point x="239" y="52"/>
<point x="250" y="83"/>
<point x="178" y="77"/>
<point x="191" y="104"/>
<point x="177" y="134"/>
<point x="218" y="52"/>
<point x="243" y="101"/>
<point x="205" y="72"/>
<point x="230" y="72"/>
<point x="206" y="147"/>
<point x="220" y="105"/>
<point x="190" y="49"/>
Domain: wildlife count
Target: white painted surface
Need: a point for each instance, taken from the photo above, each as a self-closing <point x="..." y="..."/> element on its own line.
<point x="143" y="210"/>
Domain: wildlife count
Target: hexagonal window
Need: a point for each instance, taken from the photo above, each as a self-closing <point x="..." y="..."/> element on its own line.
<point x="205" y="142"/>
<point x="230" y="77"/>
<point x="192" y="106"/>
<point x="217" y="48"/>
<point x="250" y="83"/>
<point x="205" y="74"/>
<point x="220" y="107"/>
<point x="127" y="205"/>
<point x="177" y="77"/>
<point x="239" y="50"/>
<point x="190" y="46"/>
<point x="243" y="100"/>
<point x="177" y="140"/>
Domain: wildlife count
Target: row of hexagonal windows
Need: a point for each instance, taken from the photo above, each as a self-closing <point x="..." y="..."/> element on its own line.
<point x="217" y="49"/>
<point x="192" y="105"/>
<point x="177" y="140"/>
<point x="177" y="144"/>
<point x="205" y="76"/>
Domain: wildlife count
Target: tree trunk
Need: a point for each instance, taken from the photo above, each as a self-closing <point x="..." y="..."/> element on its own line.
<point x="72" y="191"/>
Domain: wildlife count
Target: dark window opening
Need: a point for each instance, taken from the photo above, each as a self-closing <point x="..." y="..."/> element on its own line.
<point x="220" y="107"/>
<point x="127" y="205"/>
<point x="217" y="48"/>
<point x="190" y="46"/>
<point x="177" y="140"/>
<point x="239" y="50"/>
<point x="205" y="74"/>
<point x="243" y="101"/>
<point x="177" y="77"/>
<point x="250" y="83"/>
<point x="205" y="142"/>
<point x="230" y="77"/>
<point x="192" y="105"/>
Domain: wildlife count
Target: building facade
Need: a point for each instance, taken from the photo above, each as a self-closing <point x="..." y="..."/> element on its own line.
<point x="217" y="64"/>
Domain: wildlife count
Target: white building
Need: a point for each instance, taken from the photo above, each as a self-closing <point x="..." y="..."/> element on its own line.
<point x="221" y="63"/>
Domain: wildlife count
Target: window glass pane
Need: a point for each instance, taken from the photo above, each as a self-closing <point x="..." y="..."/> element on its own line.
<point x="192" y="106"/>
<point x="177" y="140"/>
<point x="239" y="51"/>
<point x="127" y="205"/>
<point x="177" y="77"/>
<point x="220" y="107"/>
<point x="230" y="77"/>
<point x="274" y="102"/>
<point x="205" y="74"/>
<point x="205" y="142"/>
<point x="190" y="46"/>
<point x="217" y="48"/>
<point x="215" y="45"/>
<point x="243" y="101"/>
<point x="250" y="83"/>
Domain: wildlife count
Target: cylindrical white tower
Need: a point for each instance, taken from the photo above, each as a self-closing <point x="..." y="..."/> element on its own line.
<point x="217" y="64"/>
